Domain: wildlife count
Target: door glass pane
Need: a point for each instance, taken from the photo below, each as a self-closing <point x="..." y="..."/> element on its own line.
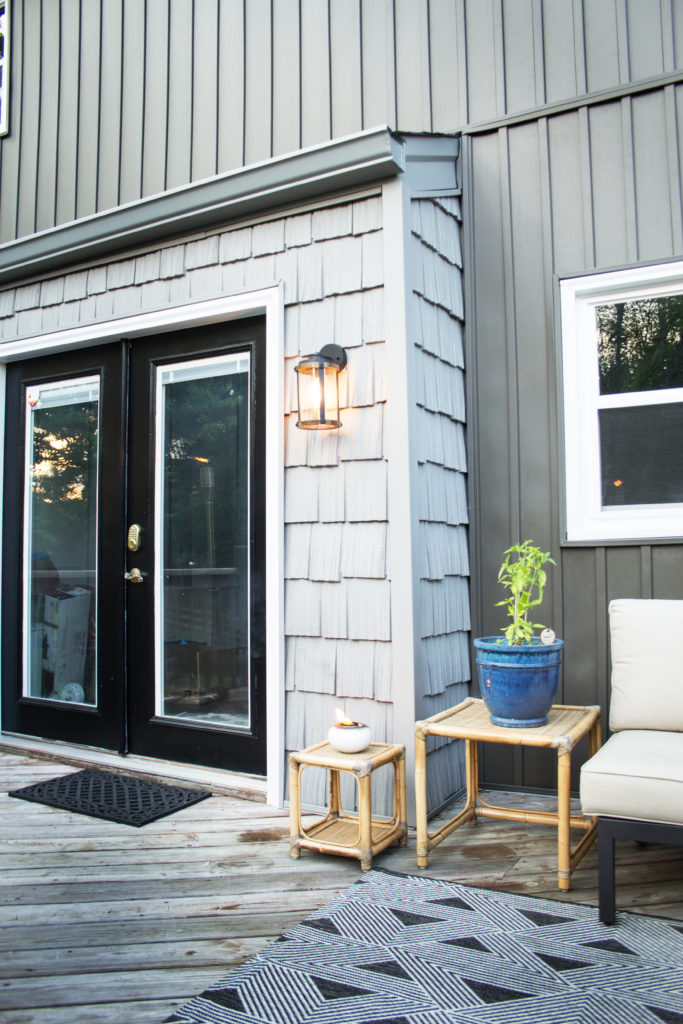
<point x="202" y="541"/>
<point x="640" y="455"/>
<point x="60" y="540"/>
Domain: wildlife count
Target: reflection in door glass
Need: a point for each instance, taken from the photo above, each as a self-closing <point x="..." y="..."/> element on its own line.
<point x="60" y="540"/>
<point x="202" y="541"/>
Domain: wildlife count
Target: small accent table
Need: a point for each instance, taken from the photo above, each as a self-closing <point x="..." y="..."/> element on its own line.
<point x="470" y="721"/>
<point x="350" y="835"/>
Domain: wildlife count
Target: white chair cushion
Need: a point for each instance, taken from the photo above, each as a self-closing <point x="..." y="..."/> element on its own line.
<point x="637" y="774"/>
<point x="647" y="664"/>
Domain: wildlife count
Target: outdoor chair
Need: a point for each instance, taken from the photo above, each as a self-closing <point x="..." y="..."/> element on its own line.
<point x="634" y="783"/>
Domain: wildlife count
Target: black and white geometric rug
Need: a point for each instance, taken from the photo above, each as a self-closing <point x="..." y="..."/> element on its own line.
<point x="126" y="799"/>
<point x="399" y="949"/>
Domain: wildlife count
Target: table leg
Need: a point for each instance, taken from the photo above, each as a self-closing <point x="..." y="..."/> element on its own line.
<point x="472" y="775"/>
<point x="335" y="794"/>
<point x="422" y="836"/>
<point x="365" y="820"/>
<point x="400" y="798"/>
<point x="594" y="739"/>
<point x="294" y="809"/>
<point x="563" y="814"/>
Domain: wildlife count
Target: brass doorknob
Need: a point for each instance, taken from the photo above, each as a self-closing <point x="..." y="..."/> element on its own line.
<point x="134" y="576"/>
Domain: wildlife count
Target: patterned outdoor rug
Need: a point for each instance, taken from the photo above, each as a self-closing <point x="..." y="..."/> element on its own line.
<point x="122" y="798"/>
<point x="398" y="949"/>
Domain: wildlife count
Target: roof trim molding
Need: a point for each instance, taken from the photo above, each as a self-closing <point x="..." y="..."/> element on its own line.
<point x="344" y="163"/>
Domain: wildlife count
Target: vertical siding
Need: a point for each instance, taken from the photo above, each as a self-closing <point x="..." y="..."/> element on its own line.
<point x="180" y="83"/>
<point x="205" y="90"/>
<point x="287" y="95"/>
<point x="169" y="91"/>
<point x="345" y="70"/>
<point x="231" y="79"/>
<point x="27" y="124"/>
<point x="132" y="101"/>
<point x="258" y="85"/>
<point x="49" y="120"/>
<point x="378" y="63"/>
<point x="87" y="143"/>
<point x="111" y="78"/>
<point x="156" y="97"/>
<point x="576" y="192"/>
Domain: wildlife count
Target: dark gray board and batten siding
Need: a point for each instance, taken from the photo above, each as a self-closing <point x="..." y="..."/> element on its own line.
<point x="554" y="197"/>
<point x="138" y="96"/>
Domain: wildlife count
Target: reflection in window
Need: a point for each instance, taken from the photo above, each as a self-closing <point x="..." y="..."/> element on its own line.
<point x="60" y="545"/>
<point x="640" y="344"/>
<point x="202" y="541"/>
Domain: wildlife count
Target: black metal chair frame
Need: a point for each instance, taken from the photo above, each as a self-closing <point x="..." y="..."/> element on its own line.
<point x="610" y="829"/>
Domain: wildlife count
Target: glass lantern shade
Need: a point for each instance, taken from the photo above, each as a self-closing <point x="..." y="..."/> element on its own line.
<point x="317" y="383"/>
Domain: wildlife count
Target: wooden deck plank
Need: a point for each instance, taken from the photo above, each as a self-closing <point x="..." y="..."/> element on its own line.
<point x="103" y="922"/>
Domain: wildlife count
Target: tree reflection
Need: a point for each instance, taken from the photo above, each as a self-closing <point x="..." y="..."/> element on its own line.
<point x="63" y="483"/>
<point x="640" y="344"/>
<point x="206" y="467"/>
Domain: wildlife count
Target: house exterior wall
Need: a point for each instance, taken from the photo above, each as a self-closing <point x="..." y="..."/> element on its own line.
<point x="584" y="190"/>
<point x="338" y="582"/>
<point x="140" y="96"/>
<point x="570" y="112"/>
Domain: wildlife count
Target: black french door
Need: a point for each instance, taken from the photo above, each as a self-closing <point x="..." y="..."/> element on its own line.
<point x="134" y="547"/>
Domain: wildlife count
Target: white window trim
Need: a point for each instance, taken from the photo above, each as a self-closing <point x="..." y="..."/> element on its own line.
<point x="4" y="68"/>
<point x="586" y="519"/>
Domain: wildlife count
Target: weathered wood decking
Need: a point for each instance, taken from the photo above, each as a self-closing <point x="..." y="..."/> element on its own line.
<point x="104" y="923"/>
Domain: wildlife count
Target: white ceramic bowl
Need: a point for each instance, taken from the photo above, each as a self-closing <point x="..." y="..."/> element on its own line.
<point x="349" y="739"/>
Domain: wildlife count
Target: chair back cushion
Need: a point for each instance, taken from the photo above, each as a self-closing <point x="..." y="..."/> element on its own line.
<point x="647" y="664"/>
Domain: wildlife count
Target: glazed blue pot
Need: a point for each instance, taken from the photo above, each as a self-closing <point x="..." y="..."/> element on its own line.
<point x="518" y="681"/>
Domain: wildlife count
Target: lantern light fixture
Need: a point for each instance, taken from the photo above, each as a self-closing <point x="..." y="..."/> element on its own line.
<point x="317" y="387"/>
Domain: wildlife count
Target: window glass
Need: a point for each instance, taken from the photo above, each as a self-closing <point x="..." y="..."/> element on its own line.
<point x="641" y="455"/>
<point x="60" y="540"/>
<point x="640" y="344"/>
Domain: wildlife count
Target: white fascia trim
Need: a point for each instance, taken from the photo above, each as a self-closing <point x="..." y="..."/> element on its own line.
<point x="268" y="302"/>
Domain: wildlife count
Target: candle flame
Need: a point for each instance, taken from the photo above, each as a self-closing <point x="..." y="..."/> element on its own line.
<point x="342" y="719"/>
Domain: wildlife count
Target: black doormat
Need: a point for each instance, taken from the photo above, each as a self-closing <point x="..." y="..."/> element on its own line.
<point x="122" y="798"/>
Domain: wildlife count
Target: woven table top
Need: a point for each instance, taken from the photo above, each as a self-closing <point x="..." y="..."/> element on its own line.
<point x="470" y="720"/>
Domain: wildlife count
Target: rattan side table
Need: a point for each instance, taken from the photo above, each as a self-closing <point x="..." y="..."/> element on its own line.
<point x="470" y="721"/>
<point x="349" y="835"/>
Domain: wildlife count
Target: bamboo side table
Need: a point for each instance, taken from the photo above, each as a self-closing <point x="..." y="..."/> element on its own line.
<point x="349" y="835"/>
<point x="470" y="721"/>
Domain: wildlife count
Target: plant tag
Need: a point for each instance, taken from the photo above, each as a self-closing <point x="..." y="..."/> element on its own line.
<point x="548" y="636"/>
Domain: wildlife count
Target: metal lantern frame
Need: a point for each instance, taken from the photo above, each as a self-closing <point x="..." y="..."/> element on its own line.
<point x="321" y="372"/>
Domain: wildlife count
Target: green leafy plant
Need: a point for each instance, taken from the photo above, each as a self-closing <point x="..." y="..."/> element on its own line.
<point x="525" y="578"/>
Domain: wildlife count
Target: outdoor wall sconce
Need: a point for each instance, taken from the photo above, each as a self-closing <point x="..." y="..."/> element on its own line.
<point x="317" y="388"/>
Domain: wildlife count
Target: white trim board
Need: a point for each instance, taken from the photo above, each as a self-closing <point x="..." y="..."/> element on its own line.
<point x="270" y="303"/>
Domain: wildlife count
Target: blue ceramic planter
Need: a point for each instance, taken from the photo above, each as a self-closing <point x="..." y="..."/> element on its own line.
<point x="518" y="682"/>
